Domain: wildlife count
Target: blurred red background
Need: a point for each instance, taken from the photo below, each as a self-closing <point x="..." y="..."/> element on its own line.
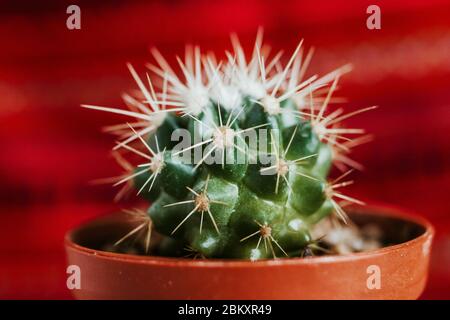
<point x="51" y="148"/>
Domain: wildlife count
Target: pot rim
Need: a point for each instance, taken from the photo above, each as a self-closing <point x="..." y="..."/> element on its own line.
<point x="378" y="209"/>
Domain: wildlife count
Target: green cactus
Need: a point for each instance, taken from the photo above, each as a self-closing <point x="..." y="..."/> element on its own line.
<point x="252" y="178"/>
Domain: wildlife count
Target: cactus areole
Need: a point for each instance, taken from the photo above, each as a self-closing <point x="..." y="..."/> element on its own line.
<point x="234" y="156"/>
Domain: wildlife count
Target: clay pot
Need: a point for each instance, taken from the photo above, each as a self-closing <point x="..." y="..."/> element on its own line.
<point x="398" y="271"/>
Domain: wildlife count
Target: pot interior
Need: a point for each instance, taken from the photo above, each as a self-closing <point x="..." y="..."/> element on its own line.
<point x="102" y="233"/>
<point x="395" y="230"/>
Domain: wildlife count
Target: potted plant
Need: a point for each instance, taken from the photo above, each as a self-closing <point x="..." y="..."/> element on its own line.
<point x="234" y="157"/>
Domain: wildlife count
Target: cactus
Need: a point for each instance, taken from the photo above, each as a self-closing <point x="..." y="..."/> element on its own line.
<point x="252" y="181"/>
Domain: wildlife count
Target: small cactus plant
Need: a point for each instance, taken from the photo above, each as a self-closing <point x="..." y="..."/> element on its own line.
<point x="251" y="181"/>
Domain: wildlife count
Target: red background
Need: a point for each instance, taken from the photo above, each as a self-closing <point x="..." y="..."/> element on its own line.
<point x="50" y="148"/>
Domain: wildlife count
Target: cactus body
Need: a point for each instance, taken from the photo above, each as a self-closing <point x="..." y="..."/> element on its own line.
<point x="214" y="208"/>
<point x="260" y="182"/>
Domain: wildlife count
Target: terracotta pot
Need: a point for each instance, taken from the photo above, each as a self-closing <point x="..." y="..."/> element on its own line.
<point x="401" y="268"/>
